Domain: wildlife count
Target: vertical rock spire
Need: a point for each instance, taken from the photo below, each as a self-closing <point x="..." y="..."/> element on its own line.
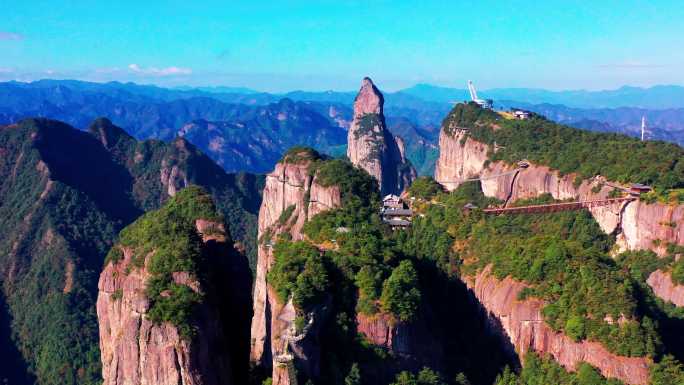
<point x="372" y="147"/>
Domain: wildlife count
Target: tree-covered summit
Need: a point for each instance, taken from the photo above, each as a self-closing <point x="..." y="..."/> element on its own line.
<point x="65" y="196"/>
<point x="169" y="238"/>
<point x="569" y="150"/>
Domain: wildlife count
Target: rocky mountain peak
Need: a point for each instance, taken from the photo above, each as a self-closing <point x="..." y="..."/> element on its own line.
<point x="106" y="132"/>
<point x="372" y="147"/>
<point x="369" y="99"/>
<point x="161" y="324"/>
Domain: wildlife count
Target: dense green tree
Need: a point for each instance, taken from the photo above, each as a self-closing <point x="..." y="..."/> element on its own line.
<point x="299" y="271"/>
<point x="425" y="377"/>
<point x="667" y="371"/>
<point x="400" y="294"/>
<point x="354" y="375"/>
<point x="461" y="379"/>
<point x="425" y="188"/>
<point x="545" y="371"/>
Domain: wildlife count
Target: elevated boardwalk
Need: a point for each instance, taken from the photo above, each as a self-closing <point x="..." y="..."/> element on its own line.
<point x="556" y="207"/>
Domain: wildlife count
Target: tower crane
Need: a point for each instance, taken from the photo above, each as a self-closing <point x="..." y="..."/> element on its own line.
<point x="484" y="103"/>
<point x="473" y="92"/>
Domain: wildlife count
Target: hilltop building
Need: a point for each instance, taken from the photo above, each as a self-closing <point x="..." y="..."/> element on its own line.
<point x="395" y="213"/>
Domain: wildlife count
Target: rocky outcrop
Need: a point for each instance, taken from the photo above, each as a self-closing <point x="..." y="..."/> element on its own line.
<point x="460" y="158"/>
<point x="372" y="147"/>
<point x="411" y="342"/>
<point x="651" y="226"/>
<point x="523" y="323"/>
<point x="173" y="178"/>
<point x="290" y="197"/>
<point x="637" y="225"/>
<point x="135" y="350"/>
<point x="662" y="285"/>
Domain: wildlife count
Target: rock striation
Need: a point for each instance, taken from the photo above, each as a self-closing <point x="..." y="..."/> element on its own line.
<point x="291" y="196"/>
<point x="372" y="147"/>
<point x="523" y="322"/>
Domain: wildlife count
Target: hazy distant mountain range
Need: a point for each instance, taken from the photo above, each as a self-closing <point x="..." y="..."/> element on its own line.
<point x="657" y="97"/>
<point x="246" y="130"/>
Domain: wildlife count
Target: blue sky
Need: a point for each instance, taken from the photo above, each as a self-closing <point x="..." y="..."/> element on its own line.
<point x="319" y="45"/>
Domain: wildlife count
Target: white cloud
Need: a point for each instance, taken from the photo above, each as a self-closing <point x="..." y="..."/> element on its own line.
<point x="10" y="36"/>
<point x="154" y="71"/>
<point x="4" y="70"/>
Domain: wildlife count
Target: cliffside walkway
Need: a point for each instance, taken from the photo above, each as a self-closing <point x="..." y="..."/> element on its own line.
<point x="556" y="207"/>
<point x="494" y="176"/>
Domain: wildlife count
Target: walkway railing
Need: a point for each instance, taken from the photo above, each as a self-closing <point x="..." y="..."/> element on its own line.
<point x="555" y="207"/>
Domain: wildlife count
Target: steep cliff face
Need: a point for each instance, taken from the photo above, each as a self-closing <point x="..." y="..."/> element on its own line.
<point x="158" y="308"/>
<point x="523" y="323"/>
<point x="135" y="350"/>
<point x="291" y="196"/>
<point x="636" y="224"/>
<point x="460" y="158"/>
<point x="412" y="343"/>
<point x="663" y="287"/>
<point x="372" y="147"/>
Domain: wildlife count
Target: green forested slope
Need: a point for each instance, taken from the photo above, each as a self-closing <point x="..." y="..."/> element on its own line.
<point x="565" y="259"/>
<point x="372" y="271"/>
<point x="617" y="157"/>
<point x="64" y="197"/>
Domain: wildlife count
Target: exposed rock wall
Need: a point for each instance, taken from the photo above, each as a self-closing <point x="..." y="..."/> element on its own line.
<point x="459" y="158"/>
<point x="372" y="147"/>
<point x="663" y="287"/>
<point x="289" y="187"/>
<point x="412" y="342"/>
<point x="523" y="323"/>
<point x="636" y="223"/>
<point x="644" y="223"/>
<point x="135" y="350"/>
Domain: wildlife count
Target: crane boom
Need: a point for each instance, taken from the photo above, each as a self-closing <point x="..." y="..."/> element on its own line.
<point x="473" y="92"/>
<point x="486" y="104"/>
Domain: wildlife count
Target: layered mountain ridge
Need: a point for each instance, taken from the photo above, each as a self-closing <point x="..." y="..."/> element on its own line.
<point x="339" y="296"/>
<point x="65" y="196"/>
